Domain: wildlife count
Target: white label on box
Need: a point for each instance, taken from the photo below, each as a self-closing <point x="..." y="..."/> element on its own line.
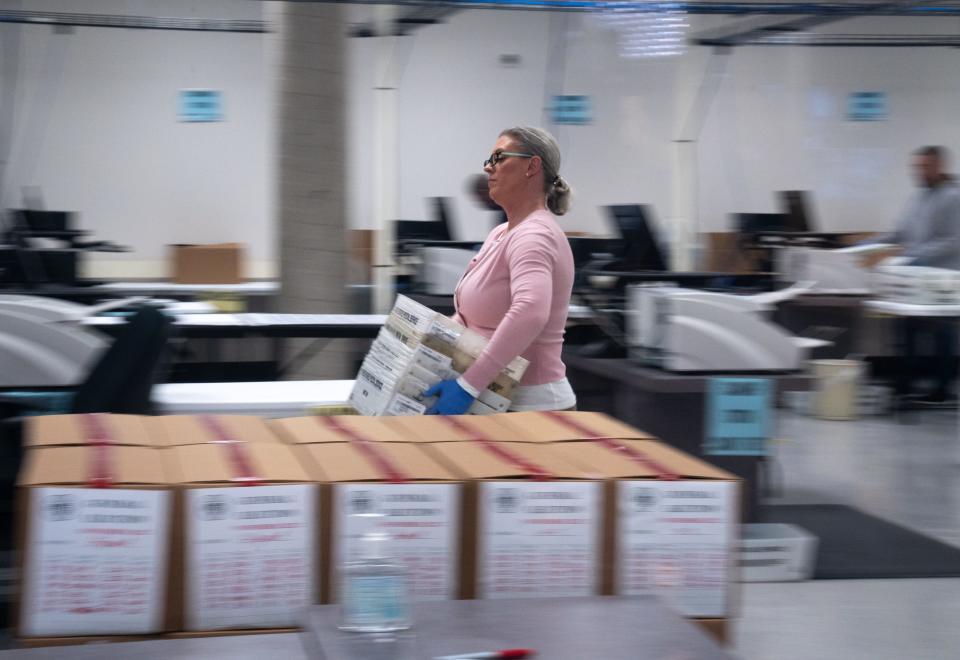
<point x="539" y="539"/>
<point x="675" y="540"/>
<point x="431" y="360"/>
<point x="250" y="556"/>
<point x="97" y="561"/>
<point x="478" y="407"/>
<point x="412" y="313"/>
<point x="423" y="375"/>
<point x="445" y="331"/>
<point x="370" y="393"/>
<point x="412" y="387"/>
<point x="494" y="401"/>
<point x="423" y="521"/>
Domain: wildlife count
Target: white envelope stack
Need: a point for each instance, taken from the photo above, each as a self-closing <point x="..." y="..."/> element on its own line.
<point x="416" y="348"/>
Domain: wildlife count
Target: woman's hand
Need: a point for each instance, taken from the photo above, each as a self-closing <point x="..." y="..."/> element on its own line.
<point x="451" y="398"/>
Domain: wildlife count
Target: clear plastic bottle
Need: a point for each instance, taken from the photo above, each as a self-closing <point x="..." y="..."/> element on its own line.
<point x="374" y="594"/>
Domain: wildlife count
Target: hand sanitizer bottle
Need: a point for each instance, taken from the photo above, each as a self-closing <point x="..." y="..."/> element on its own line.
<point x="374" y="594"/>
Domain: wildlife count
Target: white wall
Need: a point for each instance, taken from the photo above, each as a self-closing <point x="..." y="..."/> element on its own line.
<point x="777" y="120"/>
<point x="96" y="128"/>
<point x="95" y="123"/>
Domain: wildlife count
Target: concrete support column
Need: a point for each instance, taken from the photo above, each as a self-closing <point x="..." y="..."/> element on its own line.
<point x="311" y="173"/>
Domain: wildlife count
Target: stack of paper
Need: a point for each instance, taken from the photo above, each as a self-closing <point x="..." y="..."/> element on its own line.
<point x="416" y="348"/>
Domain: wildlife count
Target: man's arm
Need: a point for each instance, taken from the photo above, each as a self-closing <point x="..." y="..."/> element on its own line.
<point x="943" y="248"/>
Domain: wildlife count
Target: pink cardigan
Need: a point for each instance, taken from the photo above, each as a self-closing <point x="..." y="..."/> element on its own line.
<point x="516" y="292"/>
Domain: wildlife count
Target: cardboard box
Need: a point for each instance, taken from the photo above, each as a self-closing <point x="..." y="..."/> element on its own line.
<point x="177" y="430"/>
<point x="776" y="552"/>
<point x="526" y="538"/>
<point x="346" y="428"/>
<point x="431" y="428"/>
<point x="719" y="629"/>
<point x="674" y="521"/>
<point x="248" y="554"/>
<point x="218" y="263"/>
<point x="565" y="426"/>
<point x="421" y="503"/>
<point x="94" y="560"/>
<point x="81" y="430"/>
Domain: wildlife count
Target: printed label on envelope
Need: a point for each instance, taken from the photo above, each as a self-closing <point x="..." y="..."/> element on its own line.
<point x="539" y="539"/>
<point x="250" y="556"/>
<point x="97" y="562"/>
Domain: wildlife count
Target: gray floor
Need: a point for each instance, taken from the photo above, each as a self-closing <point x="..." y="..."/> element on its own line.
<point x="902" y="469"/>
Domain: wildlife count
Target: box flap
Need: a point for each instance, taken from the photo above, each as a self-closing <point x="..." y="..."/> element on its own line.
<point x="504" y="460"/>
<point x="681" y="463"/>
<point x="428" y="428"/>
<point x="654" y="458"/>
<point x="176" y="430"/>
<point x="567" y="426"/>
<point x="125" y="466"/>
<point x="319" y="429"/>
<point x="216" y="464"/>
<point x="65" y="430"/>
<point x="348" y="462"/>
<point x="488" y="427"/>
<point x="603" y="461"/>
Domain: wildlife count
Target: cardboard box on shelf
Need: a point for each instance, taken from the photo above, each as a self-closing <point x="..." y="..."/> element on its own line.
<point x="248" y="554"/>
<point x="81" y="430"/>
<point x="420" y="499"/>
<point x="674" y="521"/>
<point x="534" y="519"/>
<point x="176" y="430"/>
<point x="217" y="263"/>
<point x="93" y="530"/>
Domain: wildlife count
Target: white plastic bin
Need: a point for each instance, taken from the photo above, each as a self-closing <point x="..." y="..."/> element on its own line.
<point x="776" y="552"/>
<point x="838" y="382"/>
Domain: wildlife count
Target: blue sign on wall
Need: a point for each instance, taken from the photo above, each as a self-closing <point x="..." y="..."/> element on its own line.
<point x="201" y="105"/>
<point x="867" y="106"/>
<point x="571" y="110"/>
<point x="738" y="417"/>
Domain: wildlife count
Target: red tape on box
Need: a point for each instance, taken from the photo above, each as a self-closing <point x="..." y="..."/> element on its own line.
<point x="368" y="448"/>
<point x="633" y="454"/>
<point x="236" y="453"/>
<point x="500" y="451"/>
<point x="99" y="440"/>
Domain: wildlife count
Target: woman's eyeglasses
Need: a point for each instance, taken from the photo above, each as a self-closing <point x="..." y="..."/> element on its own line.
<point x="497" y="156"/>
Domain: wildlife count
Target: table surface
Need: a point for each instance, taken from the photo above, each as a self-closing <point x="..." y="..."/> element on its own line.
<point x="665" y="382"/>
<point x="907" y="309"/>
<point x="249" y="288"/>
<point x="281" y="396"/>
<point x="610" y="628"/>
<point x="250" y="320"/>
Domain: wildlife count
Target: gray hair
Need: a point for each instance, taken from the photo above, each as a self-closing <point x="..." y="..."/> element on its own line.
<point x="540" y="143"/>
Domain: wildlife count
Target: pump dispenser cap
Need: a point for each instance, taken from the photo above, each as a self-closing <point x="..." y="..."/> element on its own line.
<point x="373" y="540"/>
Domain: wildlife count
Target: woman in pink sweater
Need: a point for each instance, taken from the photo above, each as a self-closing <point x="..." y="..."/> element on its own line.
<point x="516" y="291"/>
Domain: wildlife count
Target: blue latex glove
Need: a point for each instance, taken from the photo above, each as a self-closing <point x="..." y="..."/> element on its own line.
<point x="452" y="399"/>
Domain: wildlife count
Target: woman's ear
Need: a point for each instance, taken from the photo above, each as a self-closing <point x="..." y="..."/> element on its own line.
<point x="534" y="165"/>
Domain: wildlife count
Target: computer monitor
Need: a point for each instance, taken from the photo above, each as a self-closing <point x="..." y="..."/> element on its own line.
<point x="44" y="221"/>
<point x="755" y="223"/>
<point x="440" y="214"/>
<point x="435" y="229"/>
<point x="641" y="251"/>
<point x="797" y="209"/>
